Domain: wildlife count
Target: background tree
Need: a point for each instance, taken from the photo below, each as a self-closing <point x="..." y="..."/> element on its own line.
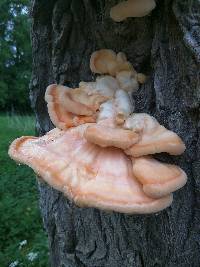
<point x="164" y="45"/>
<point x="15" y="55"/>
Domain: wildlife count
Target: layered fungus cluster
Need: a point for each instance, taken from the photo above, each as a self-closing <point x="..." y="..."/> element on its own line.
<point x="99" y="154"/>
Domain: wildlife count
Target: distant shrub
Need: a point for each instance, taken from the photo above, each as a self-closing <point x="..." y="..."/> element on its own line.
<point x="15" y="55"/>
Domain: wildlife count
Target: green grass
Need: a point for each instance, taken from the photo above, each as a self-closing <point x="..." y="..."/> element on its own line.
<point x="19" y="212"/>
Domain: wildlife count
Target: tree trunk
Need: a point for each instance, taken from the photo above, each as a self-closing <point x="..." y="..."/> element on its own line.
<point x="166" y="46"/>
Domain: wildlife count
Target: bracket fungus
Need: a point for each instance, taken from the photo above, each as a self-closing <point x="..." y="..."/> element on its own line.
<point x="106" y="61"/>
<point x="131" y="8"/>
<point x="155" y="138"/>
<point x="96" y="155"/>
<point x="87" y="174"/>
<point x="158" y="179"/>
<point x="68" y="108"/>
<point x="105" y="136"/>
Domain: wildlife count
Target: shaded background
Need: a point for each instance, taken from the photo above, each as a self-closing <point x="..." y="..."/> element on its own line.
<point x="15" y="56"/>
<point x="22" y="239"/>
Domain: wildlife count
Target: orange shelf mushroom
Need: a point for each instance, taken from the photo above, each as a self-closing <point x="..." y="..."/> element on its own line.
<point x="158" y="179"/>
<point x="105" y="136"/>
<point x="89" y="175"/>
<point x="106" y="61"/>
<point x="131" y="8"/>
<point x="155" y="138"/>
<point x="96" y="155"/>
<point x="71" y="107"/>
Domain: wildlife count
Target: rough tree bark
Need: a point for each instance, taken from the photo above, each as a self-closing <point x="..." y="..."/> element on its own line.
<point x="166" y="46"/>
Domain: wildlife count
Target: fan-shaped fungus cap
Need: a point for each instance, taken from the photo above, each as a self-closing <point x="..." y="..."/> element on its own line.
<point x="158" y="179"/>
<point x="106" y="61"/>
<point x="89" y="175"/>
<point x="131" y="8"/>
<point x="70" y="107"/>
<point x="106" y="136"/>
<point x="102" y="61"/>
<point x="154" y="137"/>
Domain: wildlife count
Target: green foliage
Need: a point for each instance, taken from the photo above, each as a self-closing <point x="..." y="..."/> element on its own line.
<point x="15" y="55"/>
<point x="19" y="213"/>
